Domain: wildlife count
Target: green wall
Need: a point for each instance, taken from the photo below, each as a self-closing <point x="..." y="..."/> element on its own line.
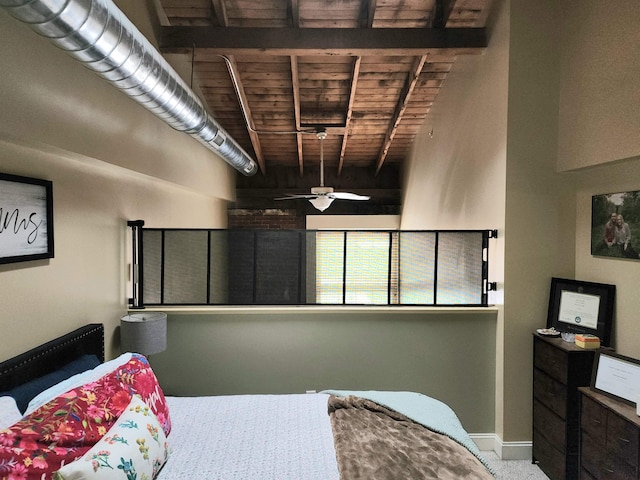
<point x="449" y="356"/>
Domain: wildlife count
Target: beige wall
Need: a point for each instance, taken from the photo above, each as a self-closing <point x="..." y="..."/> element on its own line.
<point x="600" y="98"/>
<point x="540" y="219"/>
<point x="457" y="175"/>
<point x="110" y="161"/>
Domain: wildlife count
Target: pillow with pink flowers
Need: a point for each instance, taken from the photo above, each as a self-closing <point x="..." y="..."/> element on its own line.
<point x="65" y="428"/>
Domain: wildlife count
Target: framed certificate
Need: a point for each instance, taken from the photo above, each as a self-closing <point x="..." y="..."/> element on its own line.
<point x="26" y="219"/>
<point x="617" y="376"/>
<point x="577" y="306"/>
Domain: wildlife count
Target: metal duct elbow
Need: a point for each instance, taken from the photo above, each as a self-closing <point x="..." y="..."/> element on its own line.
<point x="98" y="34"/>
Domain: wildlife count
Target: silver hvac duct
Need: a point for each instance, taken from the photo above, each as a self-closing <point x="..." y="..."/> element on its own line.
<point x="98" y="34"/>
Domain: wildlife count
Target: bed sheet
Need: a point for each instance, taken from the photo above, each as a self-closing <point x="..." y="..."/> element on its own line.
<point x="267" y="437"/>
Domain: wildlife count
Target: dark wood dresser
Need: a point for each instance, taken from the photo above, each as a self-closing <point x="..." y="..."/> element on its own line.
<point x="559" y="368"/>
<point x="610" y="439"/>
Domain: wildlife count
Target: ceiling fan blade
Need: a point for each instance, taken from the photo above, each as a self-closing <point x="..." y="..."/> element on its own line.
<point x="293" y="196"/>
<point x="348" y="196"/>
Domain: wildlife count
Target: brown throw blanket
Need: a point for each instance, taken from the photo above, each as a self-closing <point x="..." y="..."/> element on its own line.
<point x="375" y="443"/>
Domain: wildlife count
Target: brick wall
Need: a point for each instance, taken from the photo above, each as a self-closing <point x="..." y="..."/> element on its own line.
<point x="265" y="219"/>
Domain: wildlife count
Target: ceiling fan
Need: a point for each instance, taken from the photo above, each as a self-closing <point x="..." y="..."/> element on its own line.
<point x="321" y="197"/>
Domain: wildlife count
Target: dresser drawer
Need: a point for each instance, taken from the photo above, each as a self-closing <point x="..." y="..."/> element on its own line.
<point x="550" y="392"/>
<point x="549" y="459"/>
<point x="549" y="426"/>
<point x="622" y="439"/>
<point x="604" y="464"/>
<point x="594" y="419"/>
<point x="551" y="360"/>
<point x="584" y="475"/>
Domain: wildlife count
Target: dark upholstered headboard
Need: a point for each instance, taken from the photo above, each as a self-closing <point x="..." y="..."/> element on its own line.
<point x="87" y="340"/>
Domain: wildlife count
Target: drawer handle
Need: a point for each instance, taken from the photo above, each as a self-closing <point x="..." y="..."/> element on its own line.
<point x="609" y="470"/>
<point x="624" y="440"/>
<point x="596" y="421"/>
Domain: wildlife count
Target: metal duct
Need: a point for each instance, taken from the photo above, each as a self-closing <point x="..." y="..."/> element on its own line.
<point x="98" y="34"/>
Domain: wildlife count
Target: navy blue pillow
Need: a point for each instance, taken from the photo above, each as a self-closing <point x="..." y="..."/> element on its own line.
<point x="25" y="392"/>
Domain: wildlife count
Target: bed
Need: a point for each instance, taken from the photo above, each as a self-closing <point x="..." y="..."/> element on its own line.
<point x="66" y="414"/>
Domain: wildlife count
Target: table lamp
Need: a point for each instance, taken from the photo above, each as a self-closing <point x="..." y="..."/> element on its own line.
<point x="144" y="333"/>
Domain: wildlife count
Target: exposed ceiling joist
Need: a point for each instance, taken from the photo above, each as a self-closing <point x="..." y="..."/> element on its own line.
<point x="323" y="41"/>
<point x="352" y="95"/>
<point x="401" y="106"/>
<point x="246" y="111"/>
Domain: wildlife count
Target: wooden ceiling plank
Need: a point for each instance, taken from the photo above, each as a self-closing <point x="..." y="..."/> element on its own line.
<point x="255" y="140"/>
<point x="400" y="108"/>
<point x="324" y="41"/>
<point x="352" y="96"/>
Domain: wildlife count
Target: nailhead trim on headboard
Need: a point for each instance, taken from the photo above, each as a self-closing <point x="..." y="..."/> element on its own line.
<point x="52" y="355"/>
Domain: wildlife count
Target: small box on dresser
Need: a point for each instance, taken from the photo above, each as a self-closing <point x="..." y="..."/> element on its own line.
<point x="559" y="368"/>
<point x="610" y="438"/>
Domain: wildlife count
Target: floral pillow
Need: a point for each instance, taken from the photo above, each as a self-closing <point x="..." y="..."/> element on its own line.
<point x="137" y="377"/>
<point x="134" y="448"/>
<point x="65" y="428"/>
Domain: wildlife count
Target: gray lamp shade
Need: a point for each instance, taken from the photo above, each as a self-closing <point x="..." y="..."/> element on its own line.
<point x="144" y="333"/>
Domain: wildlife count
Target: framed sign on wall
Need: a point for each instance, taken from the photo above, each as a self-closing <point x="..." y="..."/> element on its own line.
<point x="26" y="219"/>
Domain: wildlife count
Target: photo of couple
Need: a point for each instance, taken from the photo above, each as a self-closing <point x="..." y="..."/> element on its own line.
<point x="615" y="225"/>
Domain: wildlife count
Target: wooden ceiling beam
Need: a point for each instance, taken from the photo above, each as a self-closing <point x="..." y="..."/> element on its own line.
<point x="352" y="96"/>
<point x="293" y="10"/>
<point x="221" y="12"/>
<point x="232" y="66"/>
<point x="323" y="41"/>
<point x="401" y="106"/>
<point x="443" y="9"/>
<point x="295" y="83"/>
<point x="367" y="13"/>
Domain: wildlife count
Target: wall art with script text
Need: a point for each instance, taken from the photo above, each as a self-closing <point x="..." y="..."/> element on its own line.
<point x="26" y="219"/>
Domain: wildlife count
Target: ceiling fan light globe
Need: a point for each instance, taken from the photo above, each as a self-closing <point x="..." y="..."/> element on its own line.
<point x="321" y="203"/>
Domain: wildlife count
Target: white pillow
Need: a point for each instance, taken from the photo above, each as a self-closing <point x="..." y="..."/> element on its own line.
<point x="76" y="381"/>
<point x="135" y="447"/>
<point x="9" y="412"/>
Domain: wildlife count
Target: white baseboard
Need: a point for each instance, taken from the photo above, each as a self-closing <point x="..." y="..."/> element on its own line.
<point x="504" y="450"/>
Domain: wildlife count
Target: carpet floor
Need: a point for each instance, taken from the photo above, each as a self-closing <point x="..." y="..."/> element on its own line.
<point x="514" y="469"/>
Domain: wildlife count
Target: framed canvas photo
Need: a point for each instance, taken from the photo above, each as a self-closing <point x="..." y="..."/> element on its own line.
<point x="26" y="219"/>
<point x="615" y="225"/>
<point x="616" y="376"/>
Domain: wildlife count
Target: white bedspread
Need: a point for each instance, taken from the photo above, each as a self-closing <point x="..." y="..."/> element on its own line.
<point x="247" y="437"/>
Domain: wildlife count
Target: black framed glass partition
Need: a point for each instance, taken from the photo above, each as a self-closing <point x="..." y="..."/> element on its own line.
<point x="196" y="267"/>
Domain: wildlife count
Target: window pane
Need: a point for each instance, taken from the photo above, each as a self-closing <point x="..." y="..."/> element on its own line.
<point x="459" y="268"/>
<point x="185" y="266"/>
<point x="152" y="265"/>
<point x="219" y="267"/>
<point x="417" y="263"/>
<point x="329" y="267"/>
<point x="367" y="264"/>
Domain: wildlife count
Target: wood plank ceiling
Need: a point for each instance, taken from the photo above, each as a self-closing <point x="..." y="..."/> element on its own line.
<point x="275" y="72"/>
